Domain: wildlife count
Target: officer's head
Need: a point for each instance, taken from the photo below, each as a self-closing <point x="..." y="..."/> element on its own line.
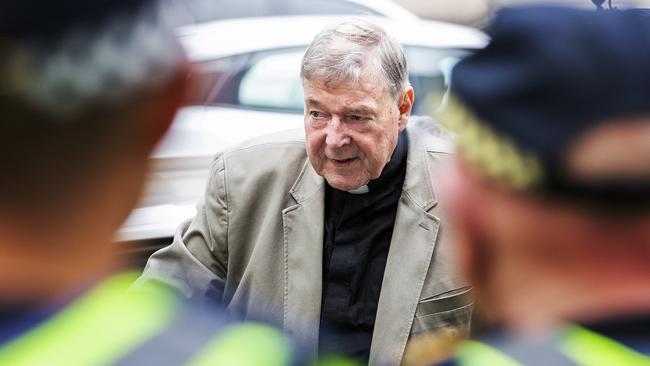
<point x="552" y="189"/>
<point x="87" y="90"/>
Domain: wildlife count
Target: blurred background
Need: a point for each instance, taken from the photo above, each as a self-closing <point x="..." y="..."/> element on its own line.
<point x="477" y="12"/>
<point x="245" y="58"/>
<point x="468" y="12"/>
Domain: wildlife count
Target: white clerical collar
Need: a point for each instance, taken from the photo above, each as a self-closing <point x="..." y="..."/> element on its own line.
<point x="361" y="190"/>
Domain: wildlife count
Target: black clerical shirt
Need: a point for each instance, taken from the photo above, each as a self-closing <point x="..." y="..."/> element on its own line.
<point x="358" y="230"/>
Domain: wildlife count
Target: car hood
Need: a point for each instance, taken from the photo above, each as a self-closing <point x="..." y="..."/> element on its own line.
<point x="181" y="162"/>
<point x="207" y="130"/>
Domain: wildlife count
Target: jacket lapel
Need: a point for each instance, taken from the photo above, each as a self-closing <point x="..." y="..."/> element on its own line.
<point x="303" y="256"/>
<point x="408" y="260"/>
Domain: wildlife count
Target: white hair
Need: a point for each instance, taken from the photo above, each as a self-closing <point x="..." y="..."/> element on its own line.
<point x="340" y="52"/>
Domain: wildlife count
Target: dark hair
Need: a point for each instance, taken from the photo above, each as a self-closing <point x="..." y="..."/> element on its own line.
<point x="69" y="104"/>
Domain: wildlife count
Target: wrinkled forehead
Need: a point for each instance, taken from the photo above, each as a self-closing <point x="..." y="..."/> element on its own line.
<point x="367" y="85"/>
<point x="367" y="77"/>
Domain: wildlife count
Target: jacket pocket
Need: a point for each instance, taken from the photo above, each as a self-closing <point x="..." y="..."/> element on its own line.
<point x="449" y="311"/>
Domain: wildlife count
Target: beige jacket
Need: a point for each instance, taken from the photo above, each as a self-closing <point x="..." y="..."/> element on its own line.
<point x="256" y="245"/>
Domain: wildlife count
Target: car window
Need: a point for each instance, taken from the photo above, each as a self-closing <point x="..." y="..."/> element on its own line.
<point x="273" y="82"/>
<point x="267" y="80"/>
<point x="429" y="71"/>
<point x="213" y="81"/>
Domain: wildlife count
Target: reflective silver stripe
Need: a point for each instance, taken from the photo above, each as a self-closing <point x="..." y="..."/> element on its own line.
<point x="180" y="341"/>
<point x="527" y="351"/>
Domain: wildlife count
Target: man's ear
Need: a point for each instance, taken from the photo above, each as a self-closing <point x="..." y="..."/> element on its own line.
<point x="405" y="105"/>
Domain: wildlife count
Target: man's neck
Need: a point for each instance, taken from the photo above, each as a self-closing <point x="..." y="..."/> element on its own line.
<point x="552" y="299"/>
<point x="29" y="275"/>
<point x="395" y="168"/>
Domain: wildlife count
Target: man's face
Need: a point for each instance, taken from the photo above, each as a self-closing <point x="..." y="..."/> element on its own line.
<point x="352" y="128"/>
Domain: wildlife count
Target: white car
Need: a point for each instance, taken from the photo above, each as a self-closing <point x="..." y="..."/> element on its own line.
<point x="248" y="84"/>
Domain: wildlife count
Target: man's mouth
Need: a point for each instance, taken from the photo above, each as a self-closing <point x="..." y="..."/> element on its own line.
<point x="342" y="162"/>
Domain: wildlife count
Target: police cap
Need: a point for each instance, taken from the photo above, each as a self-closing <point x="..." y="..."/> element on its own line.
<point x="30" y="18"/>
<point x="549" y="75"/>
<point x="66" y="58"/>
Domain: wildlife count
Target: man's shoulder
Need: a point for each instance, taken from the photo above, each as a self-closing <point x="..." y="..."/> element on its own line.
<point x="430" y="134"/>
<point x="293" y="139"/>
<point x="280" y="156"/>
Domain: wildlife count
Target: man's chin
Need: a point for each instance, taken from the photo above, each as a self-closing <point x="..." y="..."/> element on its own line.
<point x="343" y="185"/>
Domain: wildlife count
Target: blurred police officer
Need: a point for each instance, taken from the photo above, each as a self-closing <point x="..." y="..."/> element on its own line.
<point x="551" y="196"/>
<point x="87" y="89"/>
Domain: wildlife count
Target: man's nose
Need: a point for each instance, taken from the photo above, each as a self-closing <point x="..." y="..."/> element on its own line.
<point x="337" y="135"/>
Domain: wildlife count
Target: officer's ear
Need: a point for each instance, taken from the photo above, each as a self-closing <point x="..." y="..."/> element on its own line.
<point x="158" y="110"/>
<point x="405" y="105"/>
<point x="461" y="200"/>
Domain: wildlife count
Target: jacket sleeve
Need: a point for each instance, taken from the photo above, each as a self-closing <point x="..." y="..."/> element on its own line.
<point x="196" y="262"/>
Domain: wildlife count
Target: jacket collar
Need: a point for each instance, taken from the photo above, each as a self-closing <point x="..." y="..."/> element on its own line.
<point x="307" y="184"/>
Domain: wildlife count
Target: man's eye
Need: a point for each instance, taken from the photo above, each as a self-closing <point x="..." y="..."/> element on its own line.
<point x="357" y="118"/>
<point x="316" y="114"/>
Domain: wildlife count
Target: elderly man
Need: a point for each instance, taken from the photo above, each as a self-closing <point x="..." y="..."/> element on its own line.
<point x="339" y="231"/>
<point x="552" y="198"/>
